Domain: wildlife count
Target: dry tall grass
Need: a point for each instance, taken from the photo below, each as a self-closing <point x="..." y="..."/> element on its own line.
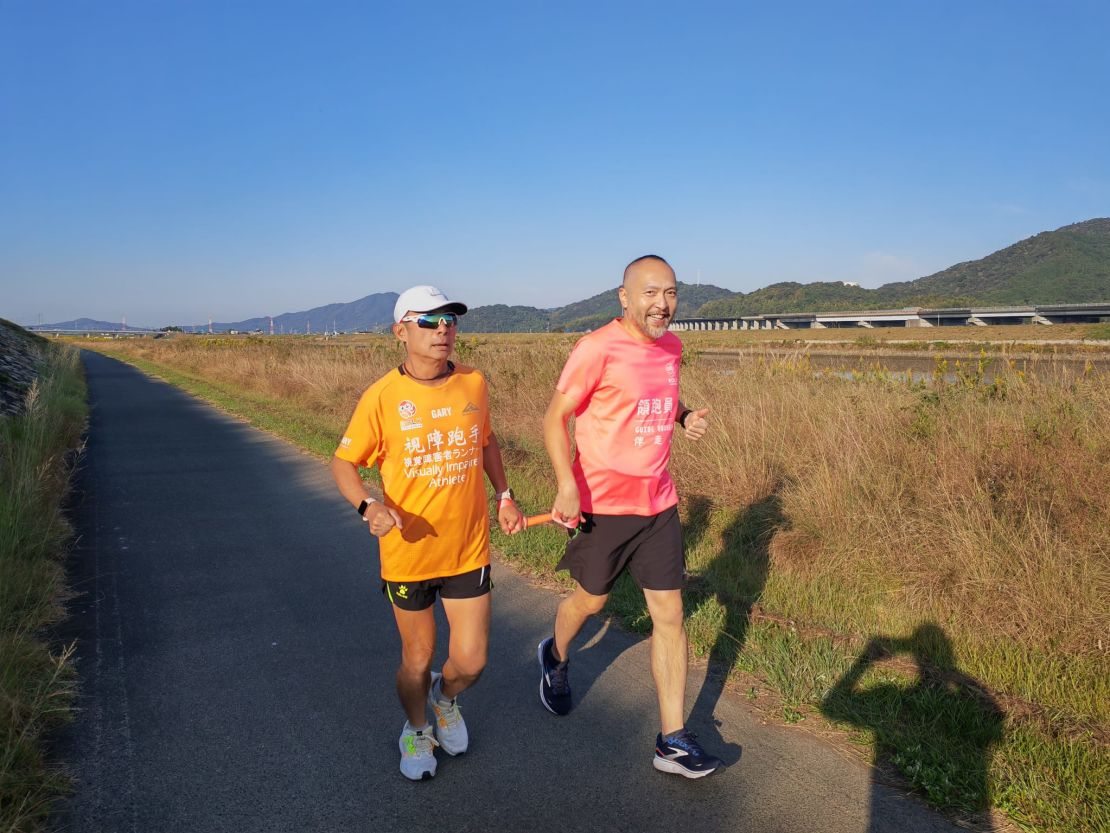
<point x="983" y="508"/>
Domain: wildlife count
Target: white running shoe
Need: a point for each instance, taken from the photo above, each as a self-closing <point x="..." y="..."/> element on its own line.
<point x="418" y="760"/>
<point x="450" y="726"/>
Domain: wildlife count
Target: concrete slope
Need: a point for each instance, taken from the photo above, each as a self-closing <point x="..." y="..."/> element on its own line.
<point x="237" y="662"/>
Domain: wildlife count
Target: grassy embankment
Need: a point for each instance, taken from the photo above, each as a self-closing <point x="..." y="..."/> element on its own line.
<point x="35" y="678"/>
<point x="924" y="565"/>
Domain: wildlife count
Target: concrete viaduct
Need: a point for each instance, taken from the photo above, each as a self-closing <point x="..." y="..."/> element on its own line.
<point x="908" y="317"/>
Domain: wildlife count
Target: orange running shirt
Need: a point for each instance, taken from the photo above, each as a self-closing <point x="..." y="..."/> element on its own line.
<point x="627" y="401"/>
<point x="427" y="443"/>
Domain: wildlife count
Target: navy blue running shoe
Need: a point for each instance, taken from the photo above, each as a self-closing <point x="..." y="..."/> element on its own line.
<point x="554" y="680"/>
<point x="681" y="754"/>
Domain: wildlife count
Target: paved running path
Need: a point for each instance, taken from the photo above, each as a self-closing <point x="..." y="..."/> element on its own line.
<point x="237" y="663"/>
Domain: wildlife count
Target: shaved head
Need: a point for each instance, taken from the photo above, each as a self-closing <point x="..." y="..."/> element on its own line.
<point x="634" y="266"/>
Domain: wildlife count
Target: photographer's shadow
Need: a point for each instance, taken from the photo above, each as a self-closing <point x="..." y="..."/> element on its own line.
<point x="734" y="579"/>
<point x="937" y="731"/>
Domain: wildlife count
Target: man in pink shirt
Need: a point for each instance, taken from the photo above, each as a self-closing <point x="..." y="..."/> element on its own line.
<point x="621" y="384"/>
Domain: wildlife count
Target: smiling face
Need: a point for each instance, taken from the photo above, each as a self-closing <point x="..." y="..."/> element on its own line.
<point x="649" y="296"/>
<point x="425" y="345"/>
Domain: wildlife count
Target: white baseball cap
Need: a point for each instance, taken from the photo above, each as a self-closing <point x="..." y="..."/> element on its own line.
<point x="425" y="299"/>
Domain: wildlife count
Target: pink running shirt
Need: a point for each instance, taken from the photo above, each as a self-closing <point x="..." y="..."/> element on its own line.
<point x="627" y="401"/>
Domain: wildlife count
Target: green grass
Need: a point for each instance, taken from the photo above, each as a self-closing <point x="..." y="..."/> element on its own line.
<point x="36" y="679"/>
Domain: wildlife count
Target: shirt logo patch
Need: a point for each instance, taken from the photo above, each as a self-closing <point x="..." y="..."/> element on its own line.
<point x="345" y="442"/>
<point x="409" y="420"/>
<point x="439" y="413"/>
<point x="470" y="408"/>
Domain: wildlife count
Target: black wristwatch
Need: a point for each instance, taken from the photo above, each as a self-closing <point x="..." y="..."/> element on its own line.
<point x="506" y="495"/>
<point x="362" y="507"/>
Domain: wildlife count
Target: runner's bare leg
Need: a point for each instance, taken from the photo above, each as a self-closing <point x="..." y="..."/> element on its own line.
<point x="572" y="614"/>
<point x="469" y="643"/>
<point x="668" y="656"/>
<point x="418" y="643"/>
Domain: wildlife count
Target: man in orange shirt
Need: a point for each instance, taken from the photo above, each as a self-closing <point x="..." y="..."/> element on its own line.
<point x="621" y="384"/>
<point x="426" y="425"/>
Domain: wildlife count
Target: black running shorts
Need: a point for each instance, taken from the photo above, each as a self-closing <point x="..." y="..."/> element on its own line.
<point x="650" y="546"/>
<point x="420" y="595"/>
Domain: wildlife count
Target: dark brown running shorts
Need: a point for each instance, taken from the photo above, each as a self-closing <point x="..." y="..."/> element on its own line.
<point x="649" y="545"/>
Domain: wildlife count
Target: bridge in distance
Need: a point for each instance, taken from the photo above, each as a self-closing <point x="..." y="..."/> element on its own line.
<point x="907" y="317"/>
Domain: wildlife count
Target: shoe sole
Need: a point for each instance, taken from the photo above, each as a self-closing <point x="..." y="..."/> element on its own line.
<point x="543" y="677"/>
<point x="663" y="765"/>
<point x="424" y="776"/>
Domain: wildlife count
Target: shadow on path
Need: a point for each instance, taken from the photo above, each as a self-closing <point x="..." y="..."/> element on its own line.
<point x="734" y="580"/>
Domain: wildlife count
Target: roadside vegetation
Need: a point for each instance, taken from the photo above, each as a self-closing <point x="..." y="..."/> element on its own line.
<point x="924" y="565"/>
<point x="37" y="439"/>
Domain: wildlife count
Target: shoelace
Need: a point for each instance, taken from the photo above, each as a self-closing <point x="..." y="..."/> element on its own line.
<point x="687" y="741"/>
<point x="448" y="716"/>
<point x="421" y="745"/>
<point x="557" y="676"/>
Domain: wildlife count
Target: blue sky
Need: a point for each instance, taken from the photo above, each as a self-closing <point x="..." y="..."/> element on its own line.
<point x="168" y="161"/>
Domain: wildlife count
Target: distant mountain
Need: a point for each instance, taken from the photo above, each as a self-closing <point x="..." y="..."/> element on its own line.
<point x="790" y="297"/>
<point x="85" y="324"/>
<point x="370" y="313"/>
<point x="499" y="318"/>
<point x="1068" y="266"/>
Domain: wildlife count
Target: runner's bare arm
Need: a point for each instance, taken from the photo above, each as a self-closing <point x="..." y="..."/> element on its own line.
<point x="379" y="517"/>
<point x="566" y="509"/>
<point x="509" y="516"/>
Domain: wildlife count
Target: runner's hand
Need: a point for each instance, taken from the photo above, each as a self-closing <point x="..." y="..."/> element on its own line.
<point x="697" y="424"/>
<point x="566" y="510"/>
<point x="510" y="517"/>
<point x="381" y="519"/>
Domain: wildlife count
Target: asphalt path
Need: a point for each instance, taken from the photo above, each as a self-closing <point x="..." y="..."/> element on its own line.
<point x="237" y="663"/>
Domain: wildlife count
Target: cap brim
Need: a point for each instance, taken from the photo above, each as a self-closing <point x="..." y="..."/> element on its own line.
<point x="456" y="307"/>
